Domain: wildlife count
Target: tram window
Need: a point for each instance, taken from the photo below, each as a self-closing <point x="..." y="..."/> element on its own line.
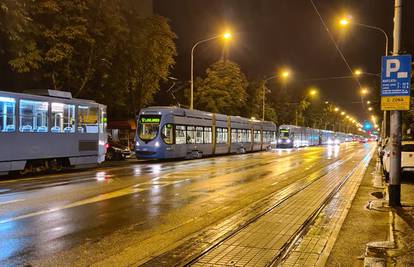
<point x="225" y="135"/>
<point x="234" y="135"/>
<point x="249" y="136"/>
<point x="167" y="133"/>
<point x="7" y="114"/>
<point x="191" y="134"/>
<point x="33" y="116"/>
<point x="180" y="136"/>
<point x="63" y="118"/>
<point x="87" y="119"/>
<point x="257" y="136"/>
<point x="207" y="135"/>
<point x="199" y="135"/>
<point x="103" y="121"/>
<point x="239" y="135"/>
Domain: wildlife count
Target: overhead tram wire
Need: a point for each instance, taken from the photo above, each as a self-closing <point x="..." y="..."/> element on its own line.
<point x="336" y="46"/>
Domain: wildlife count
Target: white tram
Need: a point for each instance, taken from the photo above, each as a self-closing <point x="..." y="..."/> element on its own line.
<point x="49" y="130"/>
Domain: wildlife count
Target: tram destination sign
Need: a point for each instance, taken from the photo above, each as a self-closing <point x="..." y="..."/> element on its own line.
<point x="395" y="82"/>
<point x="150" y="119"/>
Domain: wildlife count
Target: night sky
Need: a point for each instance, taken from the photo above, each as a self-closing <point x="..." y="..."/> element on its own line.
<point x="271" y="34"/>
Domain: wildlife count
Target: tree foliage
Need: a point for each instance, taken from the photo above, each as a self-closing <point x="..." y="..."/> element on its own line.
<point x="96" y="49"/>
<point x="223" y="90"/>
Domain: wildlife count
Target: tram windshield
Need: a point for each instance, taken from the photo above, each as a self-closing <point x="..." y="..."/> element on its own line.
<point x="148" y="126"/>
<point x="284" y="133"/>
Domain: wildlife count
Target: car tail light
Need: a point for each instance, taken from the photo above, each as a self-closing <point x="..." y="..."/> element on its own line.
<point x="106" y="145"/>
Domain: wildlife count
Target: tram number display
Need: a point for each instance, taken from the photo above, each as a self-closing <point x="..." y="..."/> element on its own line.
<point x="150" y="119"/>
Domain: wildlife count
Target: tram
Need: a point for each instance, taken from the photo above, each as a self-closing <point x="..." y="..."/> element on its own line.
<point x="173" y="132"/>
<point x="50" y="130"/>
<point x="290" y="136"/>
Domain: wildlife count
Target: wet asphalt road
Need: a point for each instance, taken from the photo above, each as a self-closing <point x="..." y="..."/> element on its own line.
<point x="126" y="214"/>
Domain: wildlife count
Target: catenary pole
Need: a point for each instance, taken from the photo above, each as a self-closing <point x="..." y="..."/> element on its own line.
<point x="394" y="187"/>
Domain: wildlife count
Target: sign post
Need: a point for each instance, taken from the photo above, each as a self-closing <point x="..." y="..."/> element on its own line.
<point x="394" y="76"/>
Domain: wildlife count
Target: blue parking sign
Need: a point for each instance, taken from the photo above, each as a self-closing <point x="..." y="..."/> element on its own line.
<point x="396" y="75"/>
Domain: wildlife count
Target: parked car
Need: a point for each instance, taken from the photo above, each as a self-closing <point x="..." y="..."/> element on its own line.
<point x="116" y="151"/>
<point x="407" y="158"/>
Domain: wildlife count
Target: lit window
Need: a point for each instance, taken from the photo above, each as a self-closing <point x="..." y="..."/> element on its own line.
<point x="180" y="135"/>
<point x="33" y="116"/>
<point x="87" y="119"/>
<point x="7" y="114"/>
<point x="167" y="133"/>
<point x="63" y="118"/>
<point x="191" y="134"/>
<point x="234" y="135"/>
<point x="207" y="135"/>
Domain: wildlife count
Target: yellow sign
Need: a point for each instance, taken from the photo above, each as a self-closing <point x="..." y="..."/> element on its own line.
<point x="395" y="102"/>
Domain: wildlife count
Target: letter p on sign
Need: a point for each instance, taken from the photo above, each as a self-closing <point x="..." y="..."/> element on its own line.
<point x="393" y="65"/>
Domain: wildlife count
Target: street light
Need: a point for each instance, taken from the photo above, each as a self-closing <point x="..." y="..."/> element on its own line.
<point x="358" y="72"/>
<point x="370" y="108"/>
<point x="336" y="109"/>
<point x="313" y="92"/>
<point x="343" y="113"/>
<point x="368" y="102"/>
<point x="225" y="36"/>
<point x="283" y="74"/>
<point x="364" y="91"/>
<point x="346" y="21"/>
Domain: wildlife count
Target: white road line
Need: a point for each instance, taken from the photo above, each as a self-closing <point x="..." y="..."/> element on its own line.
<point x="102" y="197"/>
<point x="11" y="201"/>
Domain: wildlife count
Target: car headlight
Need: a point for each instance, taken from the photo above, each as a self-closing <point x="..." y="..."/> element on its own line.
<point x="288" y="141"/>
<point x="279" y="140"/>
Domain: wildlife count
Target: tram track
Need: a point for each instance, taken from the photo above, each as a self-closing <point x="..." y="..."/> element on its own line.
<point x="179" y="255"/>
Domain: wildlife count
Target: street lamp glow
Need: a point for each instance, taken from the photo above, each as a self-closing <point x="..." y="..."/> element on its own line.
<point x="343" y="113"/>
<point x="227" y="36"/>
<point x="313" y="92"/>
<point x="370" y="108"/>
<point x="368" y="102"/>
<point x="344" y="21"/>
<point x="285" y="74"/>
<point x="364" y="91"/>
<point x="336" y="109"/>
<point x="358" y="72"/>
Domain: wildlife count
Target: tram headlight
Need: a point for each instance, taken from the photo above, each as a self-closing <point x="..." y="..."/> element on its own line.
<point x="157" y="144"/>
<point x="279" y="140"/>
<point x="288" y="141"/>
<point x="137" y="144"/>
<point x="330" y="142"/>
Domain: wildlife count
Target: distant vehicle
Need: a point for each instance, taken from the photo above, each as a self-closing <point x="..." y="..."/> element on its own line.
<point x="407" y="158"/>
<point x="50" y="130"/>
<point x="290" y="136"/>
<point x="116" y="151"/>
<point x="172" y="132"/>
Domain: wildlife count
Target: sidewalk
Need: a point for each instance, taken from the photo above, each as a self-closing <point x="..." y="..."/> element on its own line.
<point x="375" y="224"/>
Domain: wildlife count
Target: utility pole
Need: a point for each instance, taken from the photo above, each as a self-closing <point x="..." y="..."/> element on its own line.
<point x="394" y="187"/>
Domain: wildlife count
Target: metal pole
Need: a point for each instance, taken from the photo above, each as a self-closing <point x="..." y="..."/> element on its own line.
<point x="263" y="104"/>
<point x="192" y="78"/>
<point x="192" y="68"/>
<point x="394" y="188"/>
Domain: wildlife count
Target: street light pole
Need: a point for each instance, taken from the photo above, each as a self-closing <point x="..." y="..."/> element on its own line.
<point x="385" y="130"/>
<point x="394" y="188"/>
<point x="284" y="74"/>
<point x="192" y="67"/>
<point x="225" y="36"/>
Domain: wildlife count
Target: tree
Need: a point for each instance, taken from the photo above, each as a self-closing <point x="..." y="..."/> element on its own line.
<point x="223" y="90"/>
<point x="103" y="50"/>
<point x="149" y="51"/>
